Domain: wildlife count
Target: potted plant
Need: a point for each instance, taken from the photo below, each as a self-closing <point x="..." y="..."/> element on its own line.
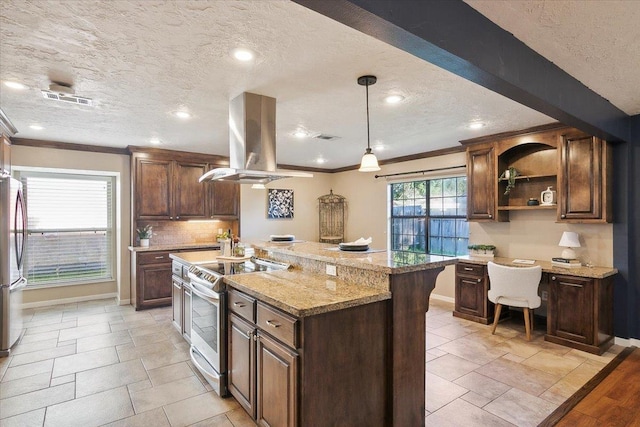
<point x="510" y="176"/>
<point x="486" y="251"/>
<point x="144" y="234"/>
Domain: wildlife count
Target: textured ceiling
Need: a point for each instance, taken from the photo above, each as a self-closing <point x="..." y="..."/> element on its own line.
<point x="142" y="60"/>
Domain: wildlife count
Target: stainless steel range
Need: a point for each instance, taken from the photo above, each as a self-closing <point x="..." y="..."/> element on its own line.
<point x="209" y="315"/>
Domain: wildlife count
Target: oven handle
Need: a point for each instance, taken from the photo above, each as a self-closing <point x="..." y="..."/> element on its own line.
<point x="212" y="374"/>
<point x="205" y="293"/>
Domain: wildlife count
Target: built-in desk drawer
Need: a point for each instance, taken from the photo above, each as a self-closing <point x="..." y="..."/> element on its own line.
<point x="242" y="304"/>
<point x="277" y="324"/>
<point x="470" y="269"/>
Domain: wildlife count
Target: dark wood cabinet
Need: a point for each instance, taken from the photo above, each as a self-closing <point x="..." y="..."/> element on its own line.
<point x="153" y="189"/>
<point x="241" y="363"/>
<point x="224" y="199"/>
<point x="471" y="288"/>
<point x="153" y="279"/>
<point x="190" y="196"/>
<point x="5" y="155"/>
<point x="481" y="191"/>
<point x="585" y="179"/>
<point x="580" y="312"/>
<point x="276" y="373"/>
<point x="289" y="371"/>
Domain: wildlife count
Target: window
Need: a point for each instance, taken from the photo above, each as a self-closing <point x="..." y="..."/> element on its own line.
<point x="429" y="216"/>
<point x="70" y="226"/>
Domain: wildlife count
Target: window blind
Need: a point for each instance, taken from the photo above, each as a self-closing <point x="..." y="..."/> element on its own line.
<point x="70" y="226"/>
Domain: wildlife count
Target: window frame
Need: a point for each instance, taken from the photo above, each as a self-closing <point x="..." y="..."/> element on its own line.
<point x="427" y="216"/>
<point x="112" y="230"/>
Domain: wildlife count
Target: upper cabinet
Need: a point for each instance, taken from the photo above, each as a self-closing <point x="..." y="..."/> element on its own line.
<point x="505" y="172"/>
<point x="585" y="179"/>
<point x="166" y="187"/>
<point x="481" y="193"/>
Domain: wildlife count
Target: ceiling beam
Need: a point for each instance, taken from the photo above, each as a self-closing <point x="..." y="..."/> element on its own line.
<point x="454" y="36"/>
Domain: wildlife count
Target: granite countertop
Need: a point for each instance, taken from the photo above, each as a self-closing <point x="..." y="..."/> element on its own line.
<point x="174" y="247"/>
<point x="304" y="294"/>
<point x="195" y="258"/>
<point x="389" y="262"/>
<point x="547" y="267"/>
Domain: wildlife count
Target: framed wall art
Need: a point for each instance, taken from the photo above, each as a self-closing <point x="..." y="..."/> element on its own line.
<point x="280" y="204"/>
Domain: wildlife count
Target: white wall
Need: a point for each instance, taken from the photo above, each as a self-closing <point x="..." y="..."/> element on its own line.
<point x="82" y="160"/>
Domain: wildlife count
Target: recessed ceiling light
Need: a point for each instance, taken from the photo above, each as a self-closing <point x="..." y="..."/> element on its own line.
<point x="476" y="125"/>
<point x="379" y="147"/>
<point x="394" y="99"/>
<point x="182" y="114"/>
<point x="36" y="127"/>
<point x="243" y="55"/>
<point x="154" y="141"/>
<point x="15" y="85"/>
<point x="320" y="161"/>
<point x="301" y="133"/>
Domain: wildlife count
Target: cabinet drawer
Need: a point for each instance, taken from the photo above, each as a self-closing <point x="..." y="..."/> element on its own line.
<point x="277" y="324"/>
<point x="153" y="258"/>
<point x="176" y="269"/>
<point x="242" y="305"/>
<point x="470" y="269"/>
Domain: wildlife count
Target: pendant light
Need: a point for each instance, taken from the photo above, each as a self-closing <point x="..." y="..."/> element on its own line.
<point x="369" y="162"/>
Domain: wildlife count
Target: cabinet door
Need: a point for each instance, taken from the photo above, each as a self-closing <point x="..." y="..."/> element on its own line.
<point x="186" y="312"/>
<point x="176" y="303"/>
<point x="277" y="379"/>
<point x="224" y="199"/>
<point x="190" y="196"/>
<point x="154" y="285"/>
<point x="583" y="178"/>
<point x="481" y="183"/>
<point x="470" y="295"/>
<point x="153" y="190"/>
<point x="571" y="308"/>
<point x="241" y="363"/>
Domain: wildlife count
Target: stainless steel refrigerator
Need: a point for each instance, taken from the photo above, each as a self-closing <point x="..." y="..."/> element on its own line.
<point x="13" y="220"/>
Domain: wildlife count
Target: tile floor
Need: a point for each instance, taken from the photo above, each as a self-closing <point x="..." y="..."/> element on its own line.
<point x="478" y="379"/>
<point x="96" y="363"/>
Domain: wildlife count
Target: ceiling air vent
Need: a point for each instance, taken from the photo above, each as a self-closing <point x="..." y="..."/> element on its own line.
<point x="64" y="93"/>
<point x="326" y="137"/>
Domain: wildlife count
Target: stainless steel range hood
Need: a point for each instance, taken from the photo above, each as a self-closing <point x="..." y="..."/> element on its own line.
<point x="252" y="139"/>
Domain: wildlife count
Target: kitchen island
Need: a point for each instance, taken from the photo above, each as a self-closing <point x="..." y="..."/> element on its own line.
<point x="356" y="345"/>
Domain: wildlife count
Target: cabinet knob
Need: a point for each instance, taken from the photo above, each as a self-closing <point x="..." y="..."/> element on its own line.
<point x="170" y="217"/>
<point x="249" y="333"/>
<point x="238" y="304"/>
<point x="273" y="324"/>
<point x="563" y="216"/>
<point x="553" y="277"/>
<point x="479" y="280"/>
<point x="490" y="216"/>
<point x="177" y="217"/>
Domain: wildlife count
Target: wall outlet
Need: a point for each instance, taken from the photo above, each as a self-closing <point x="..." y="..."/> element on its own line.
<point x="331" y="270"/>
<point x="545" y="295"/>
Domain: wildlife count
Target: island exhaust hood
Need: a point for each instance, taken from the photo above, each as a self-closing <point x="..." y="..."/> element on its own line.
<point x="252" y="139"/>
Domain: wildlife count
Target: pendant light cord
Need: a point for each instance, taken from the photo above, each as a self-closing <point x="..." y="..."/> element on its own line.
<point x="367" y="88"/>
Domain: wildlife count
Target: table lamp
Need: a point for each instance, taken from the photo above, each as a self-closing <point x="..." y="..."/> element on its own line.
<point x="569" y="240"/>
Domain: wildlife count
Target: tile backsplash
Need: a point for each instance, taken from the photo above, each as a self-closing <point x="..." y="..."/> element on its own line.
<point x="185" y="232"/>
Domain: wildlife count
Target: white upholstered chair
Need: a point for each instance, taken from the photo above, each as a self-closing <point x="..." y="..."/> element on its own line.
<point x="515" y="287"/>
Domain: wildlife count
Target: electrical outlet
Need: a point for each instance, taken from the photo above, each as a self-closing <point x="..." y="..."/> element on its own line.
<point x="545" y="295"/>
<point x="331" y="270"/>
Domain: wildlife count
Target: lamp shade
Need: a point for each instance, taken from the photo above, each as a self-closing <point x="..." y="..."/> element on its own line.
<point x="369" y="162"/>
<point x="570" y="239"/>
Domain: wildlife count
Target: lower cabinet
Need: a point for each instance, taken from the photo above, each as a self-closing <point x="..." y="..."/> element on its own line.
<point x="262" y="373"/>
<point x="471" y="288"/>
<point x="580" y="312"/>
<point x="151" y="284"/>
<point x="288" y="371"/>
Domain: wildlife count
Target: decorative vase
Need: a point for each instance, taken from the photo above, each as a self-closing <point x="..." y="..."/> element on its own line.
<point x="144" y="243"/>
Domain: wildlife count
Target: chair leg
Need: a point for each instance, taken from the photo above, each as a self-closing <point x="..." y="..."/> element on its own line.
<point x="496" y="319"/>
<point x="527" y="323"/>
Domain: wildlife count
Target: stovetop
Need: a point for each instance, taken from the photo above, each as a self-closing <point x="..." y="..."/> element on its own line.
<point x="251" y="265"/>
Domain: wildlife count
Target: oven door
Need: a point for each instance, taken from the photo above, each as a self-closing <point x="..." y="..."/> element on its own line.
<point x="208" y="333"/>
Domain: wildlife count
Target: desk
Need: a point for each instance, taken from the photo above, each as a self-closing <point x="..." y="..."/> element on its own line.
<point x="580" y="301"/>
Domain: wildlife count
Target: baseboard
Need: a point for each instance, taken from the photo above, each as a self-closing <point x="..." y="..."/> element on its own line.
<point x="69" y="300"/>
<point x="627" y="342"/>
<point x="124" y="301"/>
<point x="443" y="298"/>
